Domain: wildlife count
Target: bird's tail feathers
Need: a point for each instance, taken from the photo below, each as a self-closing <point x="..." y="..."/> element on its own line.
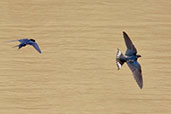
<point x="11" y="41"/>
<point x="119" y="61"/>
<point x="15" y="46"/>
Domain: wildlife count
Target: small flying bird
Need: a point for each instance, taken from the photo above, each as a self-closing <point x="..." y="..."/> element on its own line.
<point x="24" y="42"/>
<point x="131" y="59"/>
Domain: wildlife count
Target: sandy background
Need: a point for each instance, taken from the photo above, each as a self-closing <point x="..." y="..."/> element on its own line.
<point x="76" y="72"/>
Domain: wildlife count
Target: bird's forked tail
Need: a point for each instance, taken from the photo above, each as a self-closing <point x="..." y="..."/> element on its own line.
<point x="120" y="59"/>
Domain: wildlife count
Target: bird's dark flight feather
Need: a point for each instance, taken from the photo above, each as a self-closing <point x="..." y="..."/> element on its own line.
<point x="131" y="50"/>
<point x="35" y="45"/>
<point x="136" y="70"/>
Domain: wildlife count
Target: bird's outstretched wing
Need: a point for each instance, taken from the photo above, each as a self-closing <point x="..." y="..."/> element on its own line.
<point x="131" y="50"/>
<point x="137" y="73"/>
<point x="35" y="45"/>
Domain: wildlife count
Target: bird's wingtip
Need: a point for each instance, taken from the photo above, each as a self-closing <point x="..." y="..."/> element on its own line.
<point x="141" y="86"/>
<point x="124" y="32"/>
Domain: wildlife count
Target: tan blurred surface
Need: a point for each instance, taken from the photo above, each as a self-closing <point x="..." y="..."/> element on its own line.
<point x="76" y="73"/>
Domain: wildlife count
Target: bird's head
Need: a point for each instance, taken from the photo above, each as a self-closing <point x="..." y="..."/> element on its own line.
<point x="138" y="56"/>
<point x="32" y="40"/>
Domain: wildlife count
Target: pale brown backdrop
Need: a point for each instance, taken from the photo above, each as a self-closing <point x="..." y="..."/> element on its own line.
<point x="76" y="73"/>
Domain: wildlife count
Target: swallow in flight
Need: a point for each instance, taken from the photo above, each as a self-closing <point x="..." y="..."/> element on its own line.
<point x="24" y="42"/>
<point x="131" y="59"/>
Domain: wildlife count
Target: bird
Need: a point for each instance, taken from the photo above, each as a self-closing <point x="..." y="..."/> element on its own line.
<point x="24" y="42"/>
<point x="130" y="58"/>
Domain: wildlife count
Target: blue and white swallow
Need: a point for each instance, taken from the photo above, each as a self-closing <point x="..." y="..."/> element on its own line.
<point x="131" y="60"/>
<point x="24" y="42"/>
